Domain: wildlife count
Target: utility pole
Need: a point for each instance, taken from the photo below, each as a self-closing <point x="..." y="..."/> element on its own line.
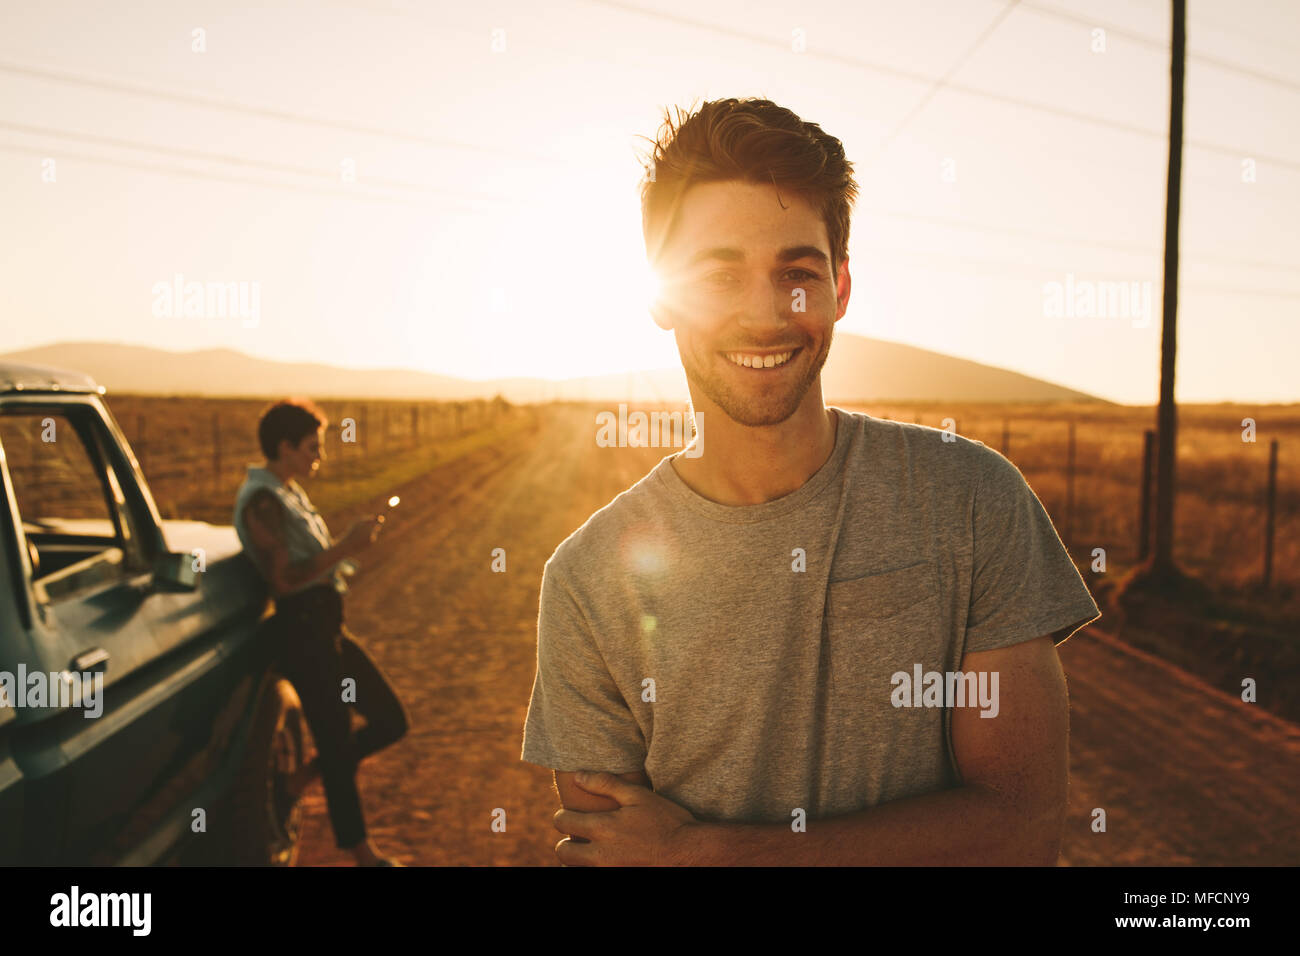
<point x="1162" y="566"/>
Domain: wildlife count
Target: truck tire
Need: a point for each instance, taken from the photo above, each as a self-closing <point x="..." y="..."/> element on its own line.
<point x="264" y="824"/>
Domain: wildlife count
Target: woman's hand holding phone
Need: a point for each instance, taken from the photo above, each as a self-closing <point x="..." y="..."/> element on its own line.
<point x="362" y="534"/>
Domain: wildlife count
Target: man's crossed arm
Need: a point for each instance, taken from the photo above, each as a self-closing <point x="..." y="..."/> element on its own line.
<point x="1008" y="810"/>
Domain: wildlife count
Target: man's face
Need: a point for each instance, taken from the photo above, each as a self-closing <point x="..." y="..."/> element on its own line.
<point x="746" y="278"/>
<point x="303" y="458"/>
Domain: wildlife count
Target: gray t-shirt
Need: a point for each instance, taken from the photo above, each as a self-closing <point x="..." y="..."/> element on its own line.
<point x="677" y="636"/>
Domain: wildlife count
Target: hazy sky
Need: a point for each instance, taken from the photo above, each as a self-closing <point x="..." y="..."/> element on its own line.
<point x="493" y="226"/>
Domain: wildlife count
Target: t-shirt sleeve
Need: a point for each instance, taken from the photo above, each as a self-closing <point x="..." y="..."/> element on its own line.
<point x="1023" y="583"/>
<point x="577" y="718"/>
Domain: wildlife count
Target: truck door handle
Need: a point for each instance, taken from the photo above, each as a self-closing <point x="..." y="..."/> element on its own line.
<point x="94" y="659"/>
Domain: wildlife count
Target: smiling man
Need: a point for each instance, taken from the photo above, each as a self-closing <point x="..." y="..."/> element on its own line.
<point x="721" y="649"/>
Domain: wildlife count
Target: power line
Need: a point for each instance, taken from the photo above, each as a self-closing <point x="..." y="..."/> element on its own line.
<point x="349" y="193"/>
<point x="943" y="80"/>
<point x="1140" y="38"/>
<point x="305" y="171"/>
<point x="1007" y="99"/>
<point x="215" y="103"/>
<point x="1016" y="268"/>
<point x="1129" y="248"/>
<point x="252" y="163"/>
<point x="1163" y="47"/>
<point x="1203" y="11"/>
<point x="1237" y="290"/>
<point x="1121" y="246"/>
<point x="341" y="193"/>
<point x="284" y="116"/>
<point x="1035" y="270"/>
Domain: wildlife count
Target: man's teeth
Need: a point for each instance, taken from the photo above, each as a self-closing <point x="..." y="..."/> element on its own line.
<point x="759" y="361"/>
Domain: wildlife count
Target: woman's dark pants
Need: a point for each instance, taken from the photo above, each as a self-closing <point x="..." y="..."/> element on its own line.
<point x="317" y="655"/>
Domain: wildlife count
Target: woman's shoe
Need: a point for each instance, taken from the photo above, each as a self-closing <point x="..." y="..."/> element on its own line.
<point x="366" y="855"/>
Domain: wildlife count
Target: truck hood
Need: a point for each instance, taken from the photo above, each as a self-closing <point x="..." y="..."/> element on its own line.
<point x="217" y="541"/>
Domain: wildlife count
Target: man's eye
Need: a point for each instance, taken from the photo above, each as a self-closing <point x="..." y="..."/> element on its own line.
<point x="724" y="278"/>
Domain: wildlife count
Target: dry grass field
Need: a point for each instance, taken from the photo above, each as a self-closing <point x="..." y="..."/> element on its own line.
<point x="1221" y="482"/>
<point x="194" y="451"/>
<point x="1188" y="773"/>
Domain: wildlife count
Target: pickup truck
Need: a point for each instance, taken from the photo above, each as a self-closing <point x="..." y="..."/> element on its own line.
<point x="141" y="716"/>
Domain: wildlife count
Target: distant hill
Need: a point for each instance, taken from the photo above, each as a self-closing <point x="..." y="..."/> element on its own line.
<point x="138" y="368"/>
<point x="875" y="370"/>
<point x="859" y="369"/>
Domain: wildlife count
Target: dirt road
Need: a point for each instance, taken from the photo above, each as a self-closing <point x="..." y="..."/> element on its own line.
<point x="1185" y="774"/>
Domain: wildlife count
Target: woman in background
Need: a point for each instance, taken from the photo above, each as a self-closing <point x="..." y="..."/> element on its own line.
<point x="287" y="539"/>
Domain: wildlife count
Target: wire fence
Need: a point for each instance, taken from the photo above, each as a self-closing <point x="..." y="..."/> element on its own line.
<point x="1238" y="495"/>
<point x="1238" y="507"/>
<point x="196" y="451"/>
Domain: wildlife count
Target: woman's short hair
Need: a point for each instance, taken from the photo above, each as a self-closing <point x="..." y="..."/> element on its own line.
<point x="290" y="420"/>
<point x="754" y="141"/>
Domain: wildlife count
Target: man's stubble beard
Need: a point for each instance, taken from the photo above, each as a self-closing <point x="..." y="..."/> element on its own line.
<point x="769" y="410"/>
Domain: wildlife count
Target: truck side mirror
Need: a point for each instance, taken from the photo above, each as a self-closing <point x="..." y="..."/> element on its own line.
<point x="174" y="571"/>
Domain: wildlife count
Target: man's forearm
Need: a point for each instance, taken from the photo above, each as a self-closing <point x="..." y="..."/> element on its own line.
<point x="968" y="825"/>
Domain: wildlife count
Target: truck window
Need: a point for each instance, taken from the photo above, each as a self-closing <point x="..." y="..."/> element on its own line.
<point x="77" y="530"/>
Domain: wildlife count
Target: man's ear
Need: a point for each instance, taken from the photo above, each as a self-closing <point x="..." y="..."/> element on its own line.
<point x="843" y="286"/>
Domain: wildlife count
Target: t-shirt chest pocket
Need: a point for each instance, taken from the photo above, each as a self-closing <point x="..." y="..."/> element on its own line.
<point x="882" y="623"/>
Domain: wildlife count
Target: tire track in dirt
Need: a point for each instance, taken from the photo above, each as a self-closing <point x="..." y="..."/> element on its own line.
<point x="397" y="612"/>
<point x="459" y="643"/>
<point x="1186" y="774"/>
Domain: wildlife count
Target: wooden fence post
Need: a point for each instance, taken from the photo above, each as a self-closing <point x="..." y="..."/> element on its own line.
<point x="345" y="456"/>
<point x="1006" y="438"/>
<point x="216" y="450"/>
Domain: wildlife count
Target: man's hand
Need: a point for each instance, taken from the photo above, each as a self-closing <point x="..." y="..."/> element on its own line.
<point x="645" y="830"/>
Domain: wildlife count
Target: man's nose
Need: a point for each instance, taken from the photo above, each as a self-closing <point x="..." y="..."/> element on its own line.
<point x="764" y="308"/>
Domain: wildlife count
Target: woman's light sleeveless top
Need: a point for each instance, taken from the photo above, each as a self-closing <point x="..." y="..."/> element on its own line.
<point x="305" y="530"/>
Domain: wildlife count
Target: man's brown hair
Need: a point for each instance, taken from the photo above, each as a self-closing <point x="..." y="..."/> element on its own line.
<point x="754" y="141"/>
<point x="291" y="420"/>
